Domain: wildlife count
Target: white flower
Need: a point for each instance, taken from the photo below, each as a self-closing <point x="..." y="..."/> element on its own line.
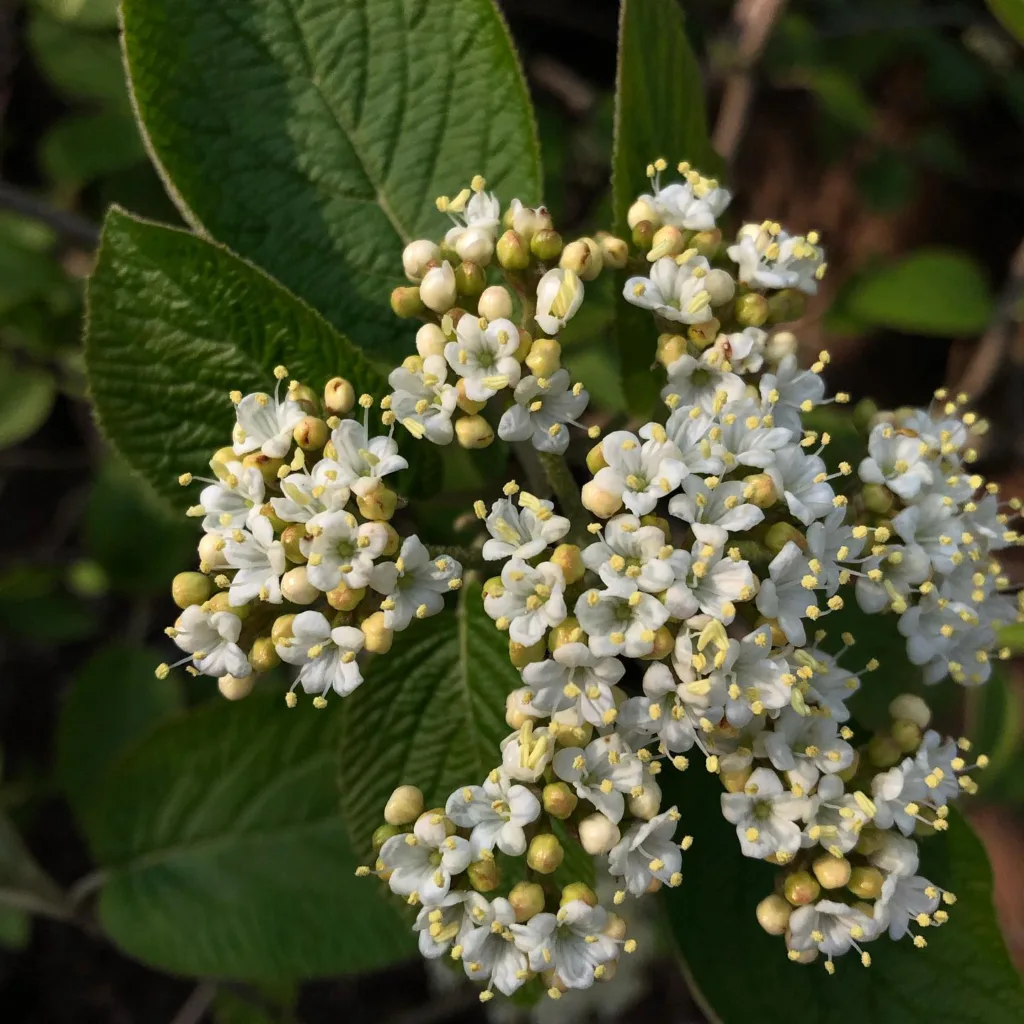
<point x="897" y="460"/>
<point x="905" y="899"/>
<point x="674" y="291"/>
<point x="522" y="533"/>
<point x="788" y="593"/>
<point x="483" y="211"/>
<point x="422" y="402"/>
<point x="765" y="815"/>
<point x="525" y="754"/>
<point x="831" y="686"/>
<point x="340" y="549"/>
<point x="931" y="525"/>
<point x="496" y="812"/>
<point x="890" y="577"/>
<point x="805" y="746"/>
<point x="743" y="350"/>
<point x="527" y="221"/>
<point x="701" y="382"/>
<point x="632" y="557"/>
<point x="559" y="296"/>
<point x="648" y="851"/>
<point x="835" y="818"/>
<point x="751" y="678"/>
<point x="305" y="495"/>
<point x="830" y="927"/>
<point x="260" y="561"/>
<point x="749" y="435"/>
<point x="687" y="428"/>
<point x="327" y="656"/>
<point x="265" y="424"/>
<point x="425" y="860"/>
<point x="893" y="791"/>
<point x="768" y="257"/>
<point x="601" y="773"/>
<point x="720" y="508"/>
<point x="791" y="391"/>
<point x="896" y="855"/>
<point x="617" y="625"/>
<point x="542" y="408"/>
<point x="212" y="640"/>
<point x="574" y="679"/>
<point x="713" y="584"/>
<point x="484" y="356"/>
<point x="531" y="602"/>
<point x="572" y="943"/>
<point x="803" y="480"/>
<point x="414" y="584"/>
<point x="640" y="474"/>
<point x="490" y="953"/>
<point x="449" y="922"/>
<point x="831" y="541"/>
<point x="364" y="461"/>
<point x="234" y="501"/>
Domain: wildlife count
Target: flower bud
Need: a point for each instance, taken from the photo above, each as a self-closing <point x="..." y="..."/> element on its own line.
<point x="780" y="345"/>
<point x="667" y="241"/>
<point x="512" y="252"/>
<point x="643" y="235"/>
<point x="527" y="900"/>
<point x="378" y="636"/>
<point x="467" y="405"/>
<point x="568" y="631"/>
<point x="571" y="735"/>
<point x="311" y="433"/>
<point x="470" y="278"/>
<point x="614" y="927"/>
<point x="707" y="243"/>
<point x="598" y="833"/>
<point x="648" y="803"/>
<point x="871" y="841"/>
<point x="864" y="413"/>
<point x="595" y="458"/>
<point x="406" y="300"/>
<point x="906" y="734"/>
<point x="484" y="875"/>
<point x="559" y="800"/>
<point x="650" y="519"/>
<point x="304" y="396"/>
<point x="614" y="250"/>
<point x="188" y="588"/>
<point x="773" y="914"/>
<point x="222" y="603"/>
<point x="545" y="853"/>
<point x="877" y="498"/>
<point x="220" y="460"/>
<point x="866" y="882"/>
<point x="601" y="503"/>
<point x="670" y="348"/>
<point x="430" y="341"/>
<point x="516" y="714"/>
<point x="570" y="560"/>
<point x="282" y="628"/>
<point x="641" y="211"/>
<point x="404" y="806"/>
<point x="263" y="656"/>
<point x="664" y="642"/>
<point x="526" y="221"/>
<point x="578" y="891"/>
<point x="848" y="774"/>
<point x="912" y="708"/>
<point x="806" y="956"/>
<point x="417" y="255"/>
<point x="475" y="245"/>
<point x="345" y="599"/>
<point x="800" y="888"/>
<point x="295" y="586"/>
<point x="339" y="396"/>
<point x="267" y="466"/>
<point x="546" y="245"/>
<point x="544" y="357"/>
<point x="734" y="781"/>
<point x="291" y="538"/>
<point x="525" y="344"/>
<point x="780" y="534"/>
<point x="786" y="305"/>
<point x="234" y="688"/>
<point x="495" y="303"/>
<point x="377" y="505"/>
<point x="884" y="751"/>
<point x="211" y="551"/>
<point x="438" y="291"/>
<point x="583" y="256"/>
<point x="703" y="335"/>
<point x="521" y="655"/>
<point x="720" y="286"/>
<point x="382" y="834"/>
<point x="394" y="541"/>
<point x="267" y="511"/>
<point x="474" y="432"/>
<point x="751" y="309"/>
<point x="760" y="490"/>
<point x="831" y="872"/>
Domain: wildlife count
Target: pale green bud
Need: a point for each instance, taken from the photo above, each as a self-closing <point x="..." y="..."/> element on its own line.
<point x="546" y="245"/>
<point x="559" y="800"/>
<point x="527" y="900"/>
<point x="263" y="656"/>
<point x="474" y="432"/>
<point x="470" y="278"/>
<point x="866" y="882"/>
<point x="773" y="914"/>
<point x="291" y="536"/>
<point x="189" y="588"/>
<point x="406" y="301"/>
<point x="751" y="310"/>
<point x="578" y="891"/>
<point x="801" y="888"/>
<point x="378" y="505"/>
<point x="545" y="853"/>
<point x="512" y="252"/>
<point x="484" y="875"/>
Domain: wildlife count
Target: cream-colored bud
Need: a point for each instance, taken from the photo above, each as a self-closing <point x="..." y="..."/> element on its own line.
<point x="773" y="914"/>
<point x="438" y="290"/>
<point x="394" y="541"/>
<point x="311" y="433"/>
<point x="664" y="642"/>
<point x="222" y="603"/>
<point x="378" y="505"/>
<point x="670" y="348"/>
<point x="378" y="637"/>
<point x="527" y="900"/>
<point x="474" y="432"/>
<point x="648" y="803"/>
<point x="234" y="688"/>
<point x="339" y="396"/>
<point x="578" y="891"/>
<point x="404" y="806"/>
<point x="601" y="503"/>
<point x="527" y="221"/>
<point x="345" y="599"/>
<point x="615" y="251"/>
<point x="707" y="243"/>
<point x="304" y="396"/>
<point x="545" y="357"/>
<point x="292" y="537"/>
<point x="911" y="708"/>
<point x="760" y="490"/>
<point x="430" y="341"/>
<point x="464" y="402"/>
<point x="584" y="257"/>
<point x="667" y="241"/>
<point x="475" y="245"/>
<point x="495" y="303"/>
<point x="801" y="888"/>
<point x="545" y="853"/>
<point x="559" y="800"/>
<point x="281" y="630"/>
<point x="188" y="588"/>
<point x="720" y="286"/>
<point x="521" y="655"/>
<point x="211" y="551"/>
<point x="640" y="211"/>
<point x="831" y="872"/>
<point x="569" y="559"/>
<point x="484" y="875"/>
<point x="220" y="460"/>
<point x="614" y="927"/>
<point x="263" y="655"/>
<point x="516" y="712"/>
<point x="416" y="255"/>
<point x="295" y="586"/>
<point x="267" y="466"/>
<point x="568" y="631"/>
<point x="414" y="364"/>
<point x="735" y="781"/>
<point x="598" y="833"/>
<point x="780" y="345"/>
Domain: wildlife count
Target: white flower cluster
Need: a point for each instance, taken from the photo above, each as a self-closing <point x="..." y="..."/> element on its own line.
<point x="298" y="541"/>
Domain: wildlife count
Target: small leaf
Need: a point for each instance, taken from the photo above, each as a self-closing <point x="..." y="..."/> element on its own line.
<point x="26" y="398"/>
<point x="84" y="147"/>
<point x="23" y="884"/>
<point x="312" y="136"/>
<point x="931" y="291"/>
<point x="1011" y="14"/>
<point x="223" y="852"/>
<point x="15" y="928"/>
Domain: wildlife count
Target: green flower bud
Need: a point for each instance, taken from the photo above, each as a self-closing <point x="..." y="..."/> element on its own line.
<point x="345" y="599"/>
<point x="871" y="840"/>
<point x="290" y="537"/>
<point x="884" y="751"/>
<point x="780" y="534"/>
<point x="545" y="853"/>
<point x="189" y="588"/>
<point x="470" y="279"/>
<point x="707" y="243"/>
<point x="912" y="708"/>
<point x="578" y="891"/>
<point x="296" y="588"/>
<point x="304" y="396"/>
<point x="773" y="914"/>
<point x="786" y="306"/>
<point x="751" y="309"/>
<point x="866" y="882"/>
<point x="568" y="631"/>
<point x="382" y="834"/>
<point x="801" y="888"/>
<point x="378" y="505"/>
<point x="906" y="735"/>
<point x="512" y="252"/>
<point x="234" y="688"/>
<point x="404" y="806"/>
<point x="263" y="656"/>
<point x="864" y="413"/>
<point x="406" y="301"/>
<point x="546" y="245"/>
<point x="222" y="603"/>
<point x="521" y="656"/>
<point x="268" y="467"/>
<point x="831" y="872"/>
<point x="311" y="433"/>
<point x="484" y="875"/>
<point x="570" y="560"/>
<point x="703" y="335"/>
<point x="339" y="396"/>
<point x="664" y="642"/>
<point x="595" y="458"/>
<point x="527" y="900"/>
<point x="474" y="432"/>
<point x="559" y="800"/>
<point x="877" y="498"/>
<point x="643" y="235"/>
<point x="281" y="630"/>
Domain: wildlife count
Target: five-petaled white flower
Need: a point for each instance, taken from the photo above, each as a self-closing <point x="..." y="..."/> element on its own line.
<point x="364" y="461"/>
<point x="414" y="584"/>
<point x="574" y="679"/>
<point x="675" y="291"/>
<point x="212" y="640"/>
<point x="570" y="943"/>
<point x="265" y="424"/>
<point x="531" y="601"/>
<point x="423" y="402"/>
<point x="601" y="773"/>
<point x="524" y="532"/>
<point x="340" y="549"/>
<point x="490" y="952"/>
<point x="260" y="561"/>
<point x="327" y="657"/>
<point x="639" y="473"/>
<point x="483" y="354"/>
<point x="496" y="812"/>
<point x="424" y="861"/>
<point x="234" y="501"/>
<point x="543" y="406"/>
<point x="648" y="851"/>
<point x="765" y="815"/>
<point x="701" y="382"/>
<point x="620" y="625"/>
<point x="634" y="557"/>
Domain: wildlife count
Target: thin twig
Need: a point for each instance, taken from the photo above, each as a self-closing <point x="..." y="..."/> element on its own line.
<point x="755" y="20"/>
<point x="195" y="1007"/>
<point x="70" y="226"/>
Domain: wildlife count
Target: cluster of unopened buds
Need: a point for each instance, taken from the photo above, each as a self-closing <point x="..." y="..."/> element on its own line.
<point x="299" y="562"/>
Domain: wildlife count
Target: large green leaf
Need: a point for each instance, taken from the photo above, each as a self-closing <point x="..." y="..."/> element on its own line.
<point x="964" y="974"/>
<point x="930" y="291"/>
<point x="223" y="852"/>
<point x="312" y="136"/>
<point x="175" y="323"/>
<point x="1011" y="14"/>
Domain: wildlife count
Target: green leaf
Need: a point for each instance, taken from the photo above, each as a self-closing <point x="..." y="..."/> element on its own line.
<point x="964" y="974"/>
<point x="1011" y="14"/>
<point x="930" y="291"/>
<point x="114" y="701"/>
<point x="26" y="398"/>
<point x="223" y="853"/>
<point x="81" y="13"/>
<point x="84" y="147"/>
<point x="659" y="100"/>
<point x="312" y="136"/>
<point x="15" y="928"/>
<point x="174" y="324"/>
<point x="23" y="884"/>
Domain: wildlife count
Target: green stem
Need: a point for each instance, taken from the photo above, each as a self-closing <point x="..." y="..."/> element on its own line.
<point x="558" y="474"/>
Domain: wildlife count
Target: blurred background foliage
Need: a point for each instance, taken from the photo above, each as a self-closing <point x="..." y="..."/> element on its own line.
<point x="894" y="127"/>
